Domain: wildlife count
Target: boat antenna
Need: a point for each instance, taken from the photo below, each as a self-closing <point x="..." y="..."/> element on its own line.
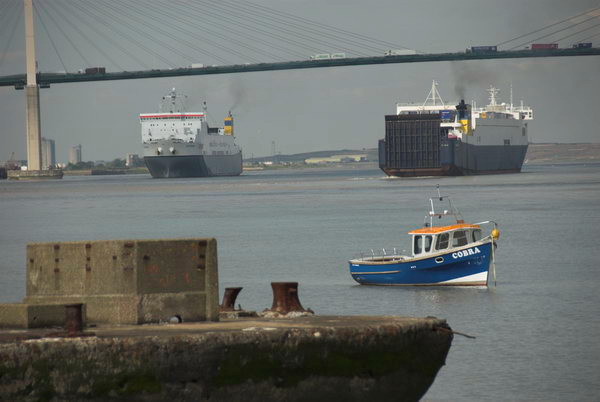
<point x="445" y="212"/>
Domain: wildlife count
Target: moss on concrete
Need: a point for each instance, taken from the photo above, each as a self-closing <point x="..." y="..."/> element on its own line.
<point x="346" y="358"/>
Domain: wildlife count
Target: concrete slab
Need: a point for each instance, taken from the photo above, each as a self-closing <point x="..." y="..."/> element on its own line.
<point x="301" y="359"/>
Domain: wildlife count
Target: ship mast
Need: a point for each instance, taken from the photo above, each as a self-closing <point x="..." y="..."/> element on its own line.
<point x="493" y="92"/>
<point x="433" y="95"/>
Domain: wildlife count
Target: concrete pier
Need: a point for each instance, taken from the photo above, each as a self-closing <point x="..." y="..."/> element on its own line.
<point x="77" y="335"/>
<point x="303" y="359"/>
<point x="35" y="174"/>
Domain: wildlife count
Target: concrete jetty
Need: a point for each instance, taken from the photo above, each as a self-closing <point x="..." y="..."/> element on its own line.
<point x="303" y="359"/>
<point x="78" y="334"/>
<point x="35" y="174"/>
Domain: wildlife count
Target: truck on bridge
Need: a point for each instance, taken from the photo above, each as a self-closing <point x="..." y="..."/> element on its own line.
<point x="544" y="46"/>
<point x="482" y="49"/>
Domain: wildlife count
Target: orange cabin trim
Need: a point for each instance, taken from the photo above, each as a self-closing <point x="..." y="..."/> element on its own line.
<point x="440" y="229"/>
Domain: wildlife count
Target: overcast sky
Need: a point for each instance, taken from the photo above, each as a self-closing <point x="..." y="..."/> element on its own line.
<point x="321" y="109"/>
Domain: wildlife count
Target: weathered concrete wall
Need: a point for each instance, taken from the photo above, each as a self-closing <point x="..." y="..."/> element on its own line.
<point x="19" y="315"/>
<point x="127" y="281"/>
<point x="305" y="359"/>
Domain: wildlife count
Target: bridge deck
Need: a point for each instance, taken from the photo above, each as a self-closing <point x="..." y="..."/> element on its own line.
<point x="45" y="79"/>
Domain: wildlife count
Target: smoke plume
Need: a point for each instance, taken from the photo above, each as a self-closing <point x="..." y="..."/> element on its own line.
<point x="473" y="75"/>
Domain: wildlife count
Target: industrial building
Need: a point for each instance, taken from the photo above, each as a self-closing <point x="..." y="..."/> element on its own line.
<point x="75" y="154"/>
<point x="48" y="153"/>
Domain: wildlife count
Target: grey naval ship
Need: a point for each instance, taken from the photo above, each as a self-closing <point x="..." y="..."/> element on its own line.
<point x="440" y="139"/>
<point x="178" y="143"/>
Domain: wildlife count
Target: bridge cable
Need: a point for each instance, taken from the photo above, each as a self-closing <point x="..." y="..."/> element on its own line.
<point x="83" y="35"/>
<point x="49" y="37"/>
<point x="589" y="37"/>
<point x="278" y="35"/>
<point x="345" y="32"/>
<point x="19" y="11"/>
<point x="5" y="9"/>
<point x="85" y="60"/>
<point x="578" y="32"/>
<point x="250" y="27"/>
<point x="258" y="31"/>
<point x="552" y="33"/>
<point x="286" y="28"/>
<point x="136" y="42"/>
<point x="154" y="39"/>
<point x="296" y="35"/>
<point x="246" y="35"/>
<point x="230" y="29"/>
<point x="304" y="27"/>
<point x="107" y="37"/>
<point x="167" y="34"/>
<point x="216" y="44"/>
<point x="547" y="26"/>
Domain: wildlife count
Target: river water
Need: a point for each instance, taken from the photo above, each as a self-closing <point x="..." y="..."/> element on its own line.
<point x="537" y="332"/>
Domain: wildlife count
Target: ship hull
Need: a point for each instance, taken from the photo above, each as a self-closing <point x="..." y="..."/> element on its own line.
<point x="416" y="145"/>
<point x="174" y="166"/>
<point x="471" y="159"/>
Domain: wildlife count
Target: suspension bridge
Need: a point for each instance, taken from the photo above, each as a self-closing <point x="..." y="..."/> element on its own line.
<point x="131" y="41"/>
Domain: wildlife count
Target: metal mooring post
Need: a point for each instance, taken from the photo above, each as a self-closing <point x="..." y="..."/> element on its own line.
<point x="73" y="319"/>
<point x="229" y="299"/>
<point x="285" y="297"/>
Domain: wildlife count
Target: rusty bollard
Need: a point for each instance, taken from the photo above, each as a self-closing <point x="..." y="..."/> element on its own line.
<point x="285" y="297"/>
<point x="229" y="299"/>
<point x="73" y="319"/>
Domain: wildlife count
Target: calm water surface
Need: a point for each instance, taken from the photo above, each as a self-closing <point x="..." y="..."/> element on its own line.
<point x="537" y="332"/>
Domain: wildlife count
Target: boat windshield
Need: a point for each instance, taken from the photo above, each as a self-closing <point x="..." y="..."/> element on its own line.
<point x="422" y="244"/>
<point x="442" y="241"/>
<point x="459" y="238"/>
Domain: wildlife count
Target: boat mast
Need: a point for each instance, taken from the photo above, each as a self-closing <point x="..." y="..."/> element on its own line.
<point x="451" y="211"/>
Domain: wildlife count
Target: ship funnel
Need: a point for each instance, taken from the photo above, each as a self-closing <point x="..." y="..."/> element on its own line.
<point x="464" y="117"/>
<point x="228" y="124"/>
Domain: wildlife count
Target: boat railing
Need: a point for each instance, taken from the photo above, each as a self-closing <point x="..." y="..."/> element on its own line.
<point x="382" y="254"/>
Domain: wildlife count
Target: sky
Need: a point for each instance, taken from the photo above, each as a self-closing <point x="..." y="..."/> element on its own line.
<point x="316" y="109"/>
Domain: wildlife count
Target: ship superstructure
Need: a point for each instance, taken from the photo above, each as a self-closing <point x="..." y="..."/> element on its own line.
<point x="438" y="138"/>
<point x="178" y="143"/>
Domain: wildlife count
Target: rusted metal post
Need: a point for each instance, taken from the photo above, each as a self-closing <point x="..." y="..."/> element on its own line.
<point x="229" y="299"/>
<point x="73" y="319"/>
<point x="285" y="297"/>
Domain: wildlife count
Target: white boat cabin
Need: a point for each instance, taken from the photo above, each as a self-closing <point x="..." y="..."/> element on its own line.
<point x="438" y="239"/>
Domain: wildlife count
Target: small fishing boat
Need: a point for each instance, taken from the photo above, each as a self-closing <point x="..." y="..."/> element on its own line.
<point x="452" y="255"/>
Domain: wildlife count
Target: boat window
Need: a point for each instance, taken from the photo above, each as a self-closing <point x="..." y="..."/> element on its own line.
<point x="428" y="242"/>
<point x="476" y="235"/>
<point x="417" y="245"/>
<point x="459" y="238"/>
<point x="442" y="241"/>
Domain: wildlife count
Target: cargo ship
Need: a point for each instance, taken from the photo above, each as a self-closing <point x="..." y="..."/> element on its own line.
<point x="440" y="139"/>
<point x="178" y="143"/>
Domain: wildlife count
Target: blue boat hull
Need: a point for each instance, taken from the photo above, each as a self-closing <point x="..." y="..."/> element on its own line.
<point x="465" y="266"/>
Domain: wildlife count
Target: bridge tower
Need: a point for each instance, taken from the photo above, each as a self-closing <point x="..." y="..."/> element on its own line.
<point x="32" y="93"/>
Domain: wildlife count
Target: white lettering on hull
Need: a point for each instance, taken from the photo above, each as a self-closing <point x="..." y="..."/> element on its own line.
<point x="466" y="253"/>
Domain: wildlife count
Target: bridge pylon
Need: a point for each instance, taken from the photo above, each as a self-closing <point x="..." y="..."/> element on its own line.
<point x="32" y="94"/>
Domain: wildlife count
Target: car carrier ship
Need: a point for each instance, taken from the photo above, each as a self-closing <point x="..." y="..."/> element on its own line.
<point x="181" y="144"/>
<point x="440" y="139"/>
